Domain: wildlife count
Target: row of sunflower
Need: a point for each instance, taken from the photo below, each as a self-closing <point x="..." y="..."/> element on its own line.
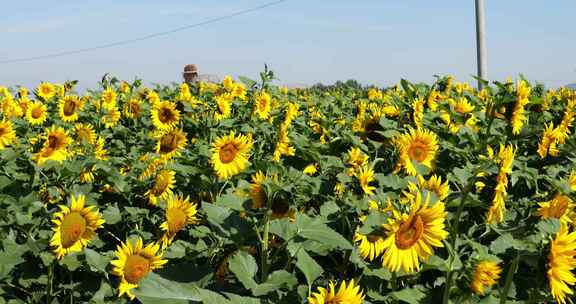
<point x="246" y="192"/>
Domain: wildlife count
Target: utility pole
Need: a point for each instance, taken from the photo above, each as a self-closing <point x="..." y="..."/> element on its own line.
<point x="481" y="61"/>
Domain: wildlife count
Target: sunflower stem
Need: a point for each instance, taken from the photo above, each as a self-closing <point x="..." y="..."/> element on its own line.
<point x="50" y="279"/>
<point x="393" y="281"/>
<point x="509" y="277"/>
<point x="454" y="234"/>
<point x="264" y="249"/>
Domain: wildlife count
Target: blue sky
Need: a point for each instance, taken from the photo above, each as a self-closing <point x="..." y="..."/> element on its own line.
<point x="303" y="41"/>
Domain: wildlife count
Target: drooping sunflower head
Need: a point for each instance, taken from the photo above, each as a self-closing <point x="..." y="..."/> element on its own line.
<point x="162" y="188"/>
<point x="486" y="274"/>
<point x="224" y="106"/>
<point x="165" y="116"/>
<point x="371" y="245"/>
<point x="365" y="176"/>
<point x="7" y="133"/>
<point x="559" y="207"/>
<point x="419" y="146"/>
<point x="133" y="262"/>
<point x="411" y="237"/>
<point x="230" y="154"/>
<point x="170" y="143"/>
<point x="434" y="184"/>
<point x="357" y="158"/>
<point x="257" y="193"/>
<point x="561" y="264"/>
<point x="36" y="113"/>
<point x="179" y="213"/>
<point x="349" y="293"/>
<point x="69" y="107"/>
<point x="46" y="90"/>
<point x="74" y="226"/>
<point x="280" y="206"/>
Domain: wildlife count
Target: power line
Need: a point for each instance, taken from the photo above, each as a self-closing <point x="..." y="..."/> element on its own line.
<point x="146" y="37"/>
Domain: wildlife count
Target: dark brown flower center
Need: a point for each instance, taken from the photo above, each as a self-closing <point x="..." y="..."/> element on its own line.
<point x="136" y="268"/>
<point x="409" y="232"/>
<point x="166" y="115"/>
<point x="227" y="153"/>
<point x="72" y="229"/>
<point x="36" y="112"/>
<point x="168" y="143"/>
<point x="418" y="151"/>
<point x="69" y="107"/>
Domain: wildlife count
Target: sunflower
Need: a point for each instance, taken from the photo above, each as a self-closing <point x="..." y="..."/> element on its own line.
<point x="124" y="87"/>
<point x="560" y="207"/>
<point x="239" y="91"/>
<point x="356" y="159"/>
<point x="486" y="274"/>
<point x="419" y="146"/>
<point x="224" y="104"/>
<point x="100" y="151"/>
<point x="561" y="263"/>
<point x="463" y="106"/>
<point x="46" y="90"/>
<point x="572" y="180"/>
<point x="434" y="184"/>
<point x="55" y="146"/>
<point x="87" y="174"/>
<point x="506" y="160"/>
<point x="134" y="262"/>
<point x="347" y="293"/>
<point x="262" y="105"/>
<point x="111" y="117"/>
<point x="411" y="237"/>
<point x="162" y="188"/>
<point x="108" y="99"/>
<point x="170" y="143"/>
<point x="257" y="193"/>
<point x="310" y="169"/>
<point x="184" y="92"/>
<point x="68" y="108"/>
<point x="370" y="246"/>
<point x="179" y="212"/>
<point x="85" y="133"/>
<point x="365" y="176"/>
<point x="36" y="113"/>
<point x="519" y="117"/>
<point x="133" y="108"/>
<point x="7" y="133"/>
<point x="74" y="226"/>
<point x="230" y="154"/>
<point x="164" y="115"/>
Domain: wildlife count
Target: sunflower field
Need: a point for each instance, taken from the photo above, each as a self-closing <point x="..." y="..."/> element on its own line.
<point x="247" y="192"/>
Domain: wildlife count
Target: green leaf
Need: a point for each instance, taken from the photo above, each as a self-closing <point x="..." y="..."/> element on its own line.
<point x="392" y="181"/>
<point x="308" y="266"/>
<point x="409" y="295"/>
<point x="230" y="200"/>
<point x="373" y="222"/>
<point x="156" y="289"/>
<point x="315" y="229"/>
<point x="112" y="215"/>
<point x="278" y="279"/>
<point x="244" y="267"/>
<point x="549" y="226"/>
<point x="95" y="260"/>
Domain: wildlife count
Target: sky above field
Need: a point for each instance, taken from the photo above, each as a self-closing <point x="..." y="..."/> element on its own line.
<point x="303" y="41"/>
